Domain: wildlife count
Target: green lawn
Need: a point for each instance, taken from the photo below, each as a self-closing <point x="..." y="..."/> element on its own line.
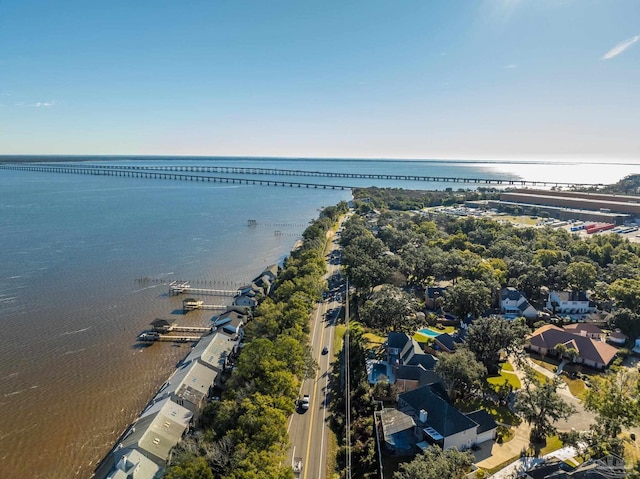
<point x="337" y="339"/>
<point x="506" y="374"/>
<point x="507" y="366"/>
<point x="553" y="444"/>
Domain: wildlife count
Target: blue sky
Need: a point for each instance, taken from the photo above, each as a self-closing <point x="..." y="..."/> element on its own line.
<point x="477" y="79"/>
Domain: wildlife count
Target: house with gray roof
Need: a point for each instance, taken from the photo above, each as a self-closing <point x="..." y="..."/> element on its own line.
<point x="214" y="351"/>
<point x="439" y="422"/>
<point x="189" y="385"/>
<point x="513" y="304"/>
<point x="156" y="432"/>
<point x="134" y="465"/>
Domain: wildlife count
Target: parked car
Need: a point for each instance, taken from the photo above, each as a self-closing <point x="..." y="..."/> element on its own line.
<point x="325" y="350"/>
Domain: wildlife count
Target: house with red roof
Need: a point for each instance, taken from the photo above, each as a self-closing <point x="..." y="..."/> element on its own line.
<point x="596" y="354"/>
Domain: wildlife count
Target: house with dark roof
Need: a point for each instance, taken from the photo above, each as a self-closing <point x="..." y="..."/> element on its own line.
<point x="397" y="431"/>
<point x="617" y="337"/>
<point x="596" y="354"/>
<point x="439" y="422"/>
<point x="403" y="349"/>
<point x="570" y="303"/>
<point x="607" y="467"/>
<point x="410" y="377"/>
<point x="447" y="342"/>
<point x="232" y="321"/>
<point x="513" y="304"/>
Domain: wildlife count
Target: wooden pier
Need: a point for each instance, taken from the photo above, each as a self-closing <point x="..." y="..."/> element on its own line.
<point x="164" y="331"/>
<point x="180" y="287"/>
<point x="151" y="337"/>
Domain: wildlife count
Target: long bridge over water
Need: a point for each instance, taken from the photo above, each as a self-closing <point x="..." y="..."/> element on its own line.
<point x="186" y="173"/>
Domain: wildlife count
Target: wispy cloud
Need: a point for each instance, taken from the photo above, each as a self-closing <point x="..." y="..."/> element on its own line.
<point x="619" y="48"/>
<point x="45" y="104"/>
<point x="510" y="66"/>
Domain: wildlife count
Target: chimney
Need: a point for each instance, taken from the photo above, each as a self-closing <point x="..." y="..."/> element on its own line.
<point x="423" y="416"/>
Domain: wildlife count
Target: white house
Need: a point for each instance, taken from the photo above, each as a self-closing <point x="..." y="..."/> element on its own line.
<point x="439" y="422"/>
<point x="570" y="302"/>
<point x="514" y="304"/>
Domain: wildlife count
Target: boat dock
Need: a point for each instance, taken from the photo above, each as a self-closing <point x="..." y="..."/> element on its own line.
<point x="150" y="337"/>
<point x="180" y="287"/>
<point x="164" y="331"/>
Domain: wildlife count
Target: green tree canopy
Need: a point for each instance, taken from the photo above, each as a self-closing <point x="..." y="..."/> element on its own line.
<point x="389" y="309"/>
<point x="626" y="293"/>
<point x="461" y="371"/>
<point x="486" y="337"/>
<point x="467" y="297"/>
<point x="435" y="463"/>
<point x="614" y="398"/>
<point x="582" y="276"/>
<point x="541" y="406"/>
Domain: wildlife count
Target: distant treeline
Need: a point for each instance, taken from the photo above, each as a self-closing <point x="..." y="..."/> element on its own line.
<point x="629" y="185"/>
<point x="403" y="200"/>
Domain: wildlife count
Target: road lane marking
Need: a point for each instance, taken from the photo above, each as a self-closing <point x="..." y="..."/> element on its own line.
<point x="312" y="407"/>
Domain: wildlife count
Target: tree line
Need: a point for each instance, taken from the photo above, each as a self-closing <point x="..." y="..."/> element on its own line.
<point x="244" y="435"/>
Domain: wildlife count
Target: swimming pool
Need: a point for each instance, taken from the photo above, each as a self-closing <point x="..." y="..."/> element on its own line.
<point x="377" y="370"/>
<point x="429" y="332"/>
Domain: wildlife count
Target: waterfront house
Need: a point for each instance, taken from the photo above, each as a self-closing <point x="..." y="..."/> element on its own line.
<point x="189" y="385"/>
<point x="134" y="465"/>
<point x="271" y="272"/>
<point x="513" y="304"/>
<point x="159" y="428"/>
<point x="439" y="422"/>
<point x="250" y="301"/>
<point x="570" y="303"/>
<point x="596" y="354"/>
<point x="214" y="351"/>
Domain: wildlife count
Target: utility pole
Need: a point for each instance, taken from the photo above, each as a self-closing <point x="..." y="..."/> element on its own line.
<point x="347" y="381"/>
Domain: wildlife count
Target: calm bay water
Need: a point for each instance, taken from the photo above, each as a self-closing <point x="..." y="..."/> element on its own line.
<point x="74" y="250"/>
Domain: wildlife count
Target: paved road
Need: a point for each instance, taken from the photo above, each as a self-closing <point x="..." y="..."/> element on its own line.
<point x="308" y="430"/>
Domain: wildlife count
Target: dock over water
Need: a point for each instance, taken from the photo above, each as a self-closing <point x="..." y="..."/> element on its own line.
<point x="180" y="287"/>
